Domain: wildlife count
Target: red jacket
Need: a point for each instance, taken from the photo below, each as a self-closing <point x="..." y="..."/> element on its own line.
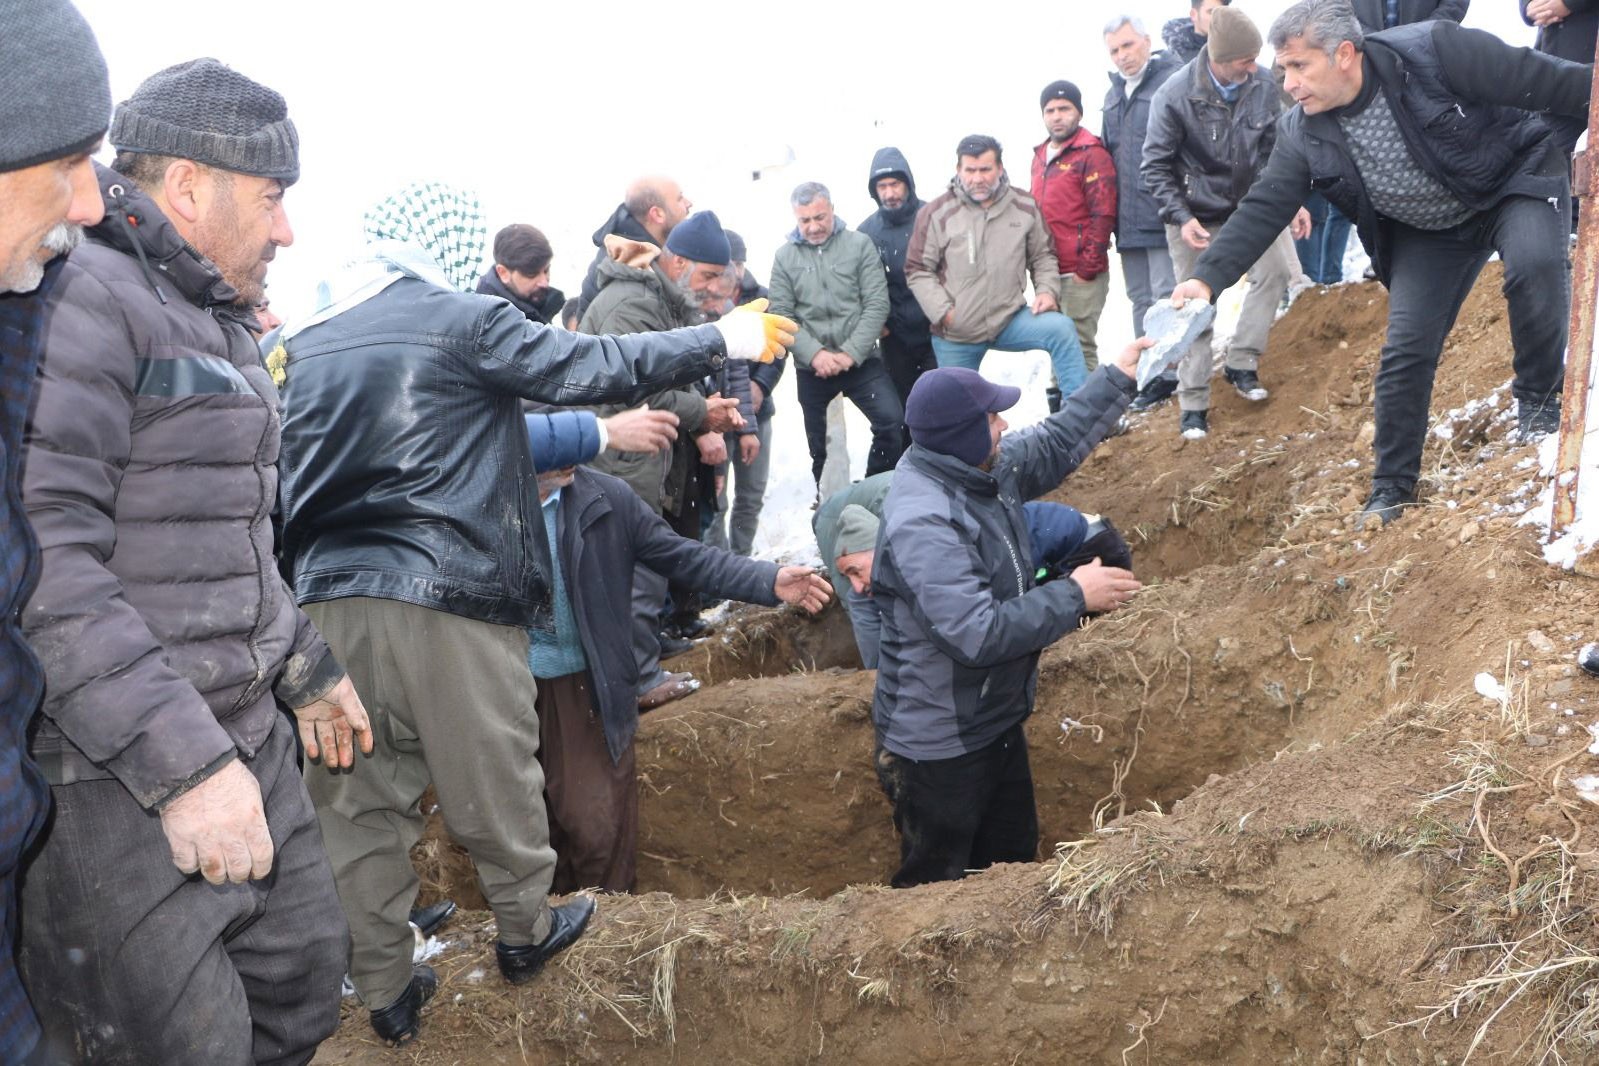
<point x="1077" y="194"/>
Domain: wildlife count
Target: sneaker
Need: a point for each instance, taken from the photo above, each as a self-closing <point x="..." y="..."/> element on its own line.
<point x="1534" y="422"/>
<point x="1154" y="394"/>
<point x="1247" y="382"/>
<point x="1588" y="659"/>
<point x="1384" y="505"/>
<point x="1194" y="426"/>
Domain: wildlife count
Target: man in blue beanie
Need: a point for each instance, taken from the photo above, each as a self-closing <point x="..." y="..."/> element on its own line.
<point x="963" y="623"/>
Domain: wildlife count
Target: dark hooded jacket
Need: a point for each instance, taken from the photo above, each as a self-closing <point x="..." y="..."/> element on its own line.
<point x="963" y="624"/>
<point x="1182" y="40"/>
<point x="1138" y="223"/>
<point x="604" y="529"/>
<point x="891" y="231"/>
<point x="1458" y="96"/>
<point x="166" y="633"/>
<point x="622" y="224"/>
<point x="546" y="311"/>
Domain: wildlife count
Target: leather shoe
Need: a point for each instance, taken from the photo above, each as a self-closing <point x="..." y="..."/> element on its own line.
<point x="672" y="646"/>
<point x="691" y="627"/>
<point x="428" y="919"/>
<point x="521" y="964"/>
<point x="1384" y="505"/>
<point x="398" y="1023"/>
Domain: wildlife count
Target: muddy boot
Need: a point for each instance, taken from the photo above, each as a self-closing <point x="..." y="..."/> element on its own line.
<point x="1384" y="506"/>
<point x="399" y="1022"/>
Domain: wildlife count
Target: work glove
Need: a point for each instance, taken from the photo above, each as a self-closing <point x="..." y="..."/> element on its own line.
<point x="219" y="829"/>
<point x="753" y="334"/>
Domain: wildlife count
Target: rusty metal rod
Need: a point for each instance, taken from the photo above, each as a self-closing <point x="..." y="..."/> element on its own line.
<point x="1579" y="348"/>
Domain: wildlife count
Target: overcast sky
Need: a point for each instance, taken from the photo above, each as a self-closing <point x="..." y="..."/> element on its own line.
<point x="548" y="112"/>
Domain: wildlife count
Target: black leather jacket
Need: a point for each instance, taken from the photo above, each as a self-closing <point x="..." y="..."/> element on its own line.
<point x="406" y="472"/>
<point x="1201" y="154"/>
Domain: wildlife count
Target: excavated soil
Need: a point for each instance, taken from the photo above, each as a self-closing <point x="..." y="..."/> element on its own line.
<point x="1293" y="830"/>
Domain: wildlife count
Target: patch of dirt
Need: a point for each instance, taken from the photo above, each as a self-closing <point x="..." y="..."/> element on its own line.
<point x="1293" y="831"/>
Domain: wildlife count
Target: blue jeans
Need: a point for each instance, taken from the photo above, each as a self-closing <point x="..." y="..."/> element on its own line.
<point x="1322" y="253"/>
<point x="1051" y="331"/>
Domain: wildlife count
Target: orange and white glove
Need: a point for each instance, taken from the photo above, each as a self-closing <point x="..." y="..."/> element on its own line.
<point x="754" y="335"/>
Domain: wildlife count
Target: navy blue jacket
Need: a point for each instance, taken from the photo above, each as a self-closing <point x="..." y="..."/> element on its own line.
<point x="891" y="231"/>
<point x="1138" y="223"/>
<point x="560" y="439"/>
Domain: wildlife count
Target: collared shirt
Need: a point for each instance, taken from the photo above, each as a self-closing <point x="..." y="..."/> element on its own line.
<point x="557" y="653"/>
<point x="1229" y="93"/>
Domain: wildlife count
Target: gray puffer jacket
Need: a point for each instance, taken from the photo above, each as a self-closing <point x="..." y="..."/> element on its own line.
<point x="164" y="628"/>
<point x="963" y="624"/>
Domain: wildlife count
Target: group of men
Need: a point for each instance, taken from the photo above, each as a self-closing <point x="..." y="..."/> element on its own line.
<point x="259" y="598"/>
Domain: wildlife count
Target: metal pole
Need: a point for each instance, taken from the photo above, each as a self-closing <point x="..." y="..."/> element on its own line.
<point x="1579" y="349"/>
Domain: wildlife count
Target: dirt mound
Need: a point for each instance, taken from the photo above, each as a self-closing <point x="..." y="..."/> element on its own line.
<point x="1295" y="831"/>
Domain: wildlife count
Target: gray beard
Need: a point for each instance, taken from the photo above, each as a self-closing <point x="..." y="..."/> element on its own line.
<point x="61" y="239"/>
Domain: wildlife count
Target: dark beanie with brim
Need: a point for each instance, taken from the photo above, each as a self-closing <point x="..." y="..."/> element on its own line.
<point x="55" y="93"/>
<point x="206" y="111"/>
<point x="948" y="408"/>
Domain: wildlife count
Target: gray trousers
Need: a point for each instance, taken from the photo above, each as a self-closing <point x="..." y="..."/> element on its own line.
<point x="1268" y="281"/>
<point x="452" y="705"/>
<point x="1148" y="275"/>
<point x="130" y="962"/>
<point x="748" y="484"/>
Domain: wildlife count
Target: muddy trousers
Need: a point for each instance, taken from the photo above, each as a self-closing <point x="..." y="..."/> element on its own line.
<point x="593" y="800"/>
<point x="1268" y="281"/>
<point x="1430" y="275"/>
<point x="130" y="962"/>
<point x="961" y="814"/>
<point x="452" y="704"/>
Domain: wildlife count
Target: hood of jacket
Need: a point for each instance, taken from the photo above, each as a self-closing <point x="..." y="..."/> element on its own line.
<point x="891" y="163"/>
<point x="839" y="226"/>
<point x="638" y="262"/>
<point x="622" y="224"/>
<point x="134" y="225"/>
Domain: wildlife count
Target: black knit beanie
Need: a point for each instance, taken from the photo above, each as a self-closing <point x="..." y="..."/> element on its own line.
<point x="1061" y="90"/>
<point x="55" y="95"/>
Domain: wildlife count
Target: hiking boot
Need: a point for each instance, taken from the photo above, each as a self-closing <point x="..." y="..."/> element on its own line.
<point x="519" y="965"/>
<point x="1535" y="421"/>
<point x="1247" y="382"/>
<point x="1384" y="505"/>
<point x="1194" y="425"/>
<point x="1154" y="394"/>
<point x="1052" y="399"/>
<point x="399" y="1022"/>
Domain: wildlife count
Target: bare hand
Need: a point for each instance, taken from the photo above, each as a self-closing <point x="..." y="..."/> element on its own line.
<point x="948" y="319"/>
<point x="1043" y="303"/>
<point x="802" y="587"/>
<point x="1300" y="227"/>
<point x="713" y="448"/>
<point x="721" y="414"/>
<point x="1127" y="358"/>
<point x="721" y="483"/>
<point x="757" y="396"/>
<point x="218" y="828"/>
<point x="642" y="430"/>
<point x="1195" y="236"/>
<point x="1547" y="12"/>
<point x="1105" y="588"/>
<point x="1192" y="289"/>
<point x="330" y="724"/>
<point x="749" y="449"/>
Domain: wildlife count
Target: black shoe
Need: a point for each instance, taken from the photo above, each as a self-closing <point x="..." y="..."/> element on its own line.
<point x="398" y="1023"/>
<point x="692" y="627"/>
<point x="1194" y="425"/>
<point x="1384" y="505"/>
<point x="1154" y="394"/>
<point x="567" y="922"/>
<point x="1052" y="398"/>
<point x="428" y="919"/>
<point x="671" y="645"/>
<point x="1535" y="421"/>
<point x="1588" y="659"/>
<point x="1247" y="382"/>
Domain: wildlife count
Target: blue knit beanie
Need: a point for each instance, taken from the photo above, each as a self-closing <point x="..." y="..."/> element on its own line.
<point x="700" y="238"/>
<point x="948" y="408"/>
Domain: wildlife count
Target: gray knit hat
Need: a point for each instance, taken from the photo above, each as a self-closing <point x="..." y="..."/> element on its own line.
<point x="55" y="95"/>
<point x="857" y="531"/>
<point x="210" y="113"/>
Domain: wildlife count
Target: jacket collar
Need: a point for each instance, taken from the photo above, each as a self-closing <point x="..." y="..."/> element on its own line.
<point x="491" y="285"/>
<point x="951" y="471"/>
<point x="135" y="226"/>
<point x="839" y="226"/>
<point x="994" y="201"/>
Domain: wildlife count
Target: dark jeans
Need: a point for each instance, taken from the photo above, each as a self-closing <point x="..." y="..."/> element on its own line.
<point x="905" y="364"/>
<point x="961" y="814"/>
<point x="170" y="969"/>
<point x="869" y="388"/>
<point x="1322" y="253"/>
<point x="1431" y="274"/>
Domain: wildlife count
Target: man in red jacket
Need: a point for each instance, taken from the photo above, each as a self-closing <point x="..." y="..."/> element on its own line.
<point x="1074" y="182"/>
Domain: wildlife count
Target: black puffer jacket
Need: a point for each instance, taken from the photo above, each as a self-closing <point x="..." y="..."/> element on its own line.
<point x="406" y="471"/>
<point x="1138" y="222"/>
<point x="1458" y="96"/>
<point x="1201" y="154"/>
<point x="891" y="231"/>
<point x="162" y="623"/>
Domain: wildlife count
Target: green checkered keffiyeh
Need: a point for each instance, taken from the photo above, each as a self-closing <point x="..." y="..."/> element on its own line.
<point x="440" y="219"/>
